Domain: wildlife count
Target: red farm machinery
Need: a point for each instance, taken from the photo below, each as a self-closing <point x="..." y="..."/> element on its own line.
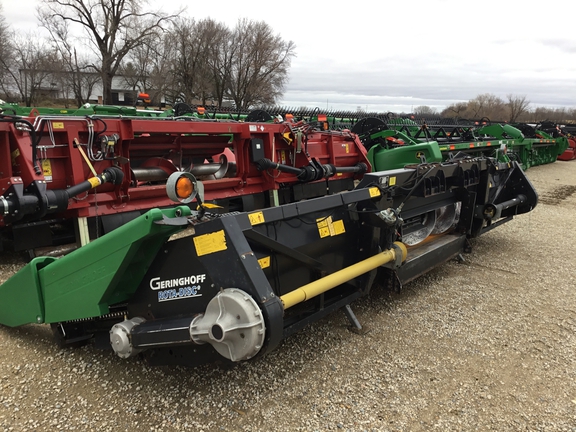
<point x="64" y="177"/>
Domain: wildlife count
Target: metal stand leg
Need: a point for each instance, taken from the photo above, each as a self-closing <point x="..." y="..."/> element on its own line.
<point x="274" y="200"/>
<point x="353" y="320"/>
<point x="83" y="235"/>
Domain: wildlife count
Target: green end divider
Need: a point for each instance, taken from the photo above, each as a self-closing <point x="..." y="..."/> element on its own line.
<point x="21" y="295"/>
<point x="86" y="282"/>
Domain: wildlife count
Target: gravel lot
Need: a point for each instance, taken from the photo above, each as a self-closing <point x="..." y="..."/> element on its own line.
<point x="487" y="344"/>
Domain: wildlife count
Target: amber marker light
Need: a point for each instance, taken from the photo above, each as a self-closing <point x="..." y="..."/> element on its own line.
<point x="183" y="187"/>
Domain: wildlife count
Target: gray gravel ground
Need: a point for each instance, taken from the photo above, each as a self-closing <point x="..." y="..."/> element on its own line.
<point x="487" y="344"/>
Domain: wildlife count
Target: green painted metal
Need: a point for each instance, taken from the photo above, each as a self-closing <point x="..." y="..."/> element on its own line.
<point x="88" y="281"/>
<point x="398" y="157"/>
<point x="489" y="140"/>
<point x="403" y="124"/>
<point x="21" y="296"/>
<point x="500" y="131"/>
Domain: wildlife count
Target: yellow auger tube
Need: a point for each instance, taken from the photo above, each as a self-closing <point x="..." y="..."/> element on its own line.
<point x="320" y="286"/>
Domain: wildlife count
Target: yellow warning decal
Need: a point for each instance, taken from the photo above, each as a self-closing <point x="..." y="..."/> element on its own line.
<point x="211" y="206"/>
<point x="94" y="181"/>
<point x="392" y="181"/>
<point x="256" y="218"/>
<point x="339" y="227"/>
<point x="46" y="167"/>
<point x="323" y="228"/>
<point x="264" y="262"/>
<point x="374" y="192"/>
<point x="47" y="170"/>
<point x="209" y="243"/>
<point x="14" y="155"/>
<point x="57" y="125"/>
<point x="329" y="228"/>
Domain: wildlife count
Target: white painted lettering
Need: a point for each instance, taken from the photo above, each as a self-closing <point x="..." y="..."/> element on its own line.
<point x="157" y="284"/>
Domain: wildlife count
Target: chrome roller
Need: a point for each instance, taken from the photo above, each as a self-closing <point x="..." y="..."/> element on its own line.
<point x="418" y="231"/>
<point x="446" y="218"/>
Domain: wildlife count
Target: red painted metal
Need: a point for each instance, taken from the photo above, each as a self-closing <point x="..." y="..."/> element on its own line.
<point x="570" y="152"/>
<point x="165" y="145"/>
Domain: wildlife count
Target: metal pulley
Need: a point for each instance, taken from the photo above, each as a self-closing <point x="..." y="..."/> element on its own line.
<point x="233" y="324"/>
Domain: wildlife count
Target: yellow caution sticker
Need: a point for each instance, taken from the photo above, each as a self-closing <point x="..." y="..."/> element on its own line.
<point x="323" y="228"/>
<point x="338" y="227"/>
<point x="374" y="192"/>
<point x="209" y="243"/>
<point x="14" y="155"/>
<point x="392" y="181"/>
<point x="57" y="125"/>
<point x="329" y="228"/>
<point x="264" y="262"/>
<point x="211" y="206"/>
<point x="47" y="170"/>
<point x="256" y="218"/>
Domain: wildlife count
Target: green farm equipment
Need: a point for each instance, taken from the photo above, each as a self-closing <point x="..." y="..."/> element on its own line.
<point x="391" y="144"/>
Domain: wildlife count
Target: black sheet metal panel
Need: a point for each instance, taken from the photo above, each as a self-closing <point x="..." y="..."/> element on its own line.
<point x="189" y="272"/>
<point x="270" y="252"/>
<point x="429" y="254"/>
<point x="265" y="253"/>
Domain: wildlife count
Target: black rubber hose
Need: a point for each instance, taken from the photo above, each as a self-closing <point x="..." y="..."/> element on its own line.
<point x="264" y="164"/>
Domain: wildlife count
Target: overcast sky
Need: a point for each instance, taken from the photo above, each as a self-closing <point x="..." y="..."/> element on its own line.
<point x="394" y="56"/>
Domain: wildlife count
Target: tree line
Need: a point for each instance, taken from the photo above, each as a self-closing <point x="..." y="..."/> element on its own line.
<point x="515" y="108"/>
<point x="180" y="59"/>
<point x="156" y="53"/>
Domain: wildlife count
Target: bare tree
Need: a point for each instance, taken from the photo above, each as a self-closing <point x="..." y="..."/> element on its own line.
<point x="516" y="105"/>
<point x="486" y="105"/>
<point x="29" y="70"/>
<point x="259" y="64"/>
<point x="6" y="53"/>
<point x="425" y="110"/>
<point x="455" y="110"/>
<point x="78" y="76"/>
<point x="195" y="42"/>
<point x="219" y="58"/>
<point x="114" y="28"/>
<point x="136" y="70"/>
<point x="149" y="67"/>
